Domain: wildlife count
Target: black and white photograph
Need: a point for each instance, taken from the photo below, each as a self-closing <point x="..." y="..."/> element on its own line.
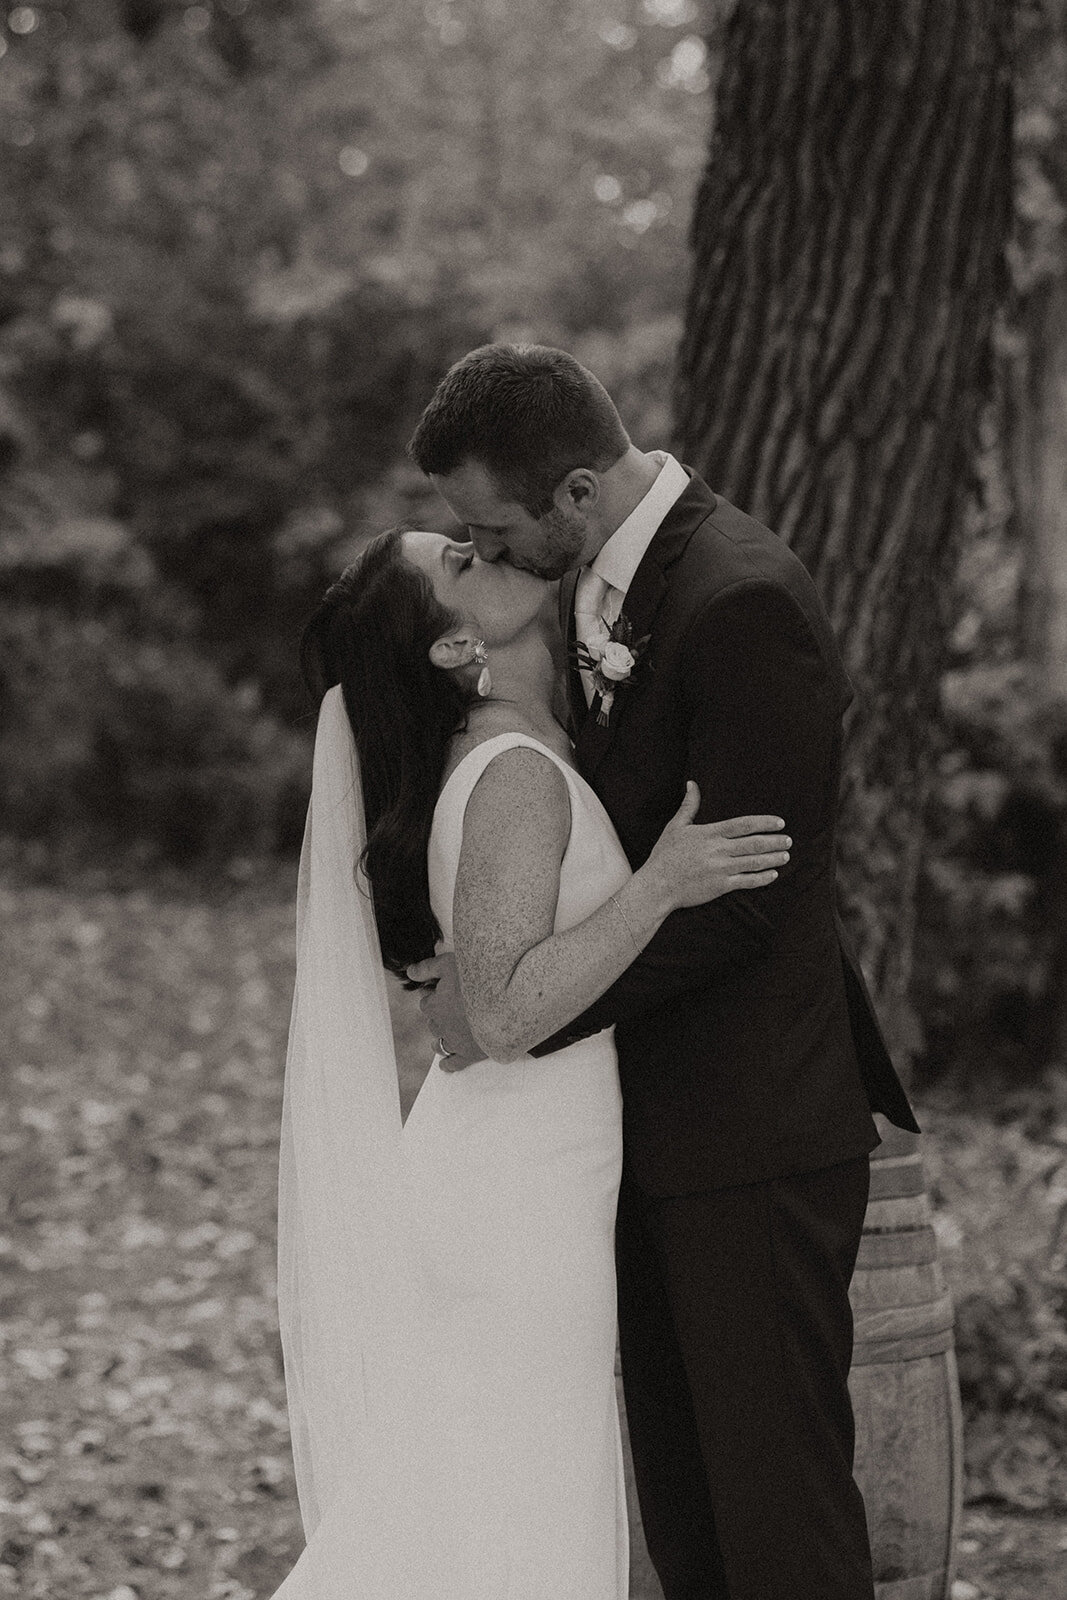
<point x="533" y="800"/>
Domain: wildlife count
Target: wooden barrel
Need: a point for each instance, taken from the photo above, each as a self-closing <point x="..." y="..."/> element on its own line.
<point x="905" y="1393"/>
<point x="909" y="1449"/>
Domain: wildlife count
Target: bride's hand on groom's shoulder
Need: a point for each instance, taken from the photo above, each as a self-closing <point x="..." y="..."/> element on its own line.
<point x="441" y="1004"/>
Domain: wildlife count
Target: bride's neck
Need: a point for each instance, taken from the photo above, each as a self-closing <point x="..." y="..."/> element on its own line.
<point x="524" y="675"/>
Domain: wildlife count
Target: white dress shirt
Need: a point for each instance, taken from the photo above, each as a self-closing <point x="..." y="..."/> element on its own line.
<point x="602" y="585"/>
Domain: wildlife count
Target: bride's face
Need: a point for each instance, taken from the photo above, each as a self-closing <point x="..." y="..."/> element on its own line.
<point x="500" y="600"/>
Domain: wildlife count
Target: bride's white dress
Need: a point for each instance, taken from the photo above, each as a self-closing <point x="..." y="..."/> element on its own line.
<point x="514" y="1489"/>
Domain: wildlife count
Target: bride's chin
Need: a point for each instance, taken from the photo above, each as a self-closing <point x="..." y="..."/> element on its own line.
<point x="527" y="591"/>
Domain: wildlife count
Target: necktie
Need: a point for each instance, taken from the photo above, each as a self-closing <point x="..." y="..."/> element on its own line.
<point x="595" y="606"/>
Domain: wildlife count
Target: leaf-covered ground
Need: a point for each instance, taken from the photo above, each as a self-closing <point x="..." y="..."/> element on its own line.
<point x="143" y="1439"/>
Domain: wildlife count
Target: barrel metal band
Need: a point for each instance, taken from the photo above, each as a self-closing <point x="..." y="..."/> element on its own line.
<point x="924" y="1587"/>
<point x="894" y="1351"/>
<point x="903" y="1333"/>
<point x="910" y="1247"/>
<point x="900" y="1177"/>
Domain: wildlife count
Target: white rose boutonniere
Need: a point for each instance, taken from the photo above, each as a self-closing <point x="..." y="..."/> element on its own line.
<point x="611" y="661"/>
<point x="616" y="661"/>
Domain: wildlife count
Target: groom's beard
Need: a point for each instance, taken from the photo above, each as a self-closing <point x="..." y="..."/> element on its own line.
<point x="562" y="535"/>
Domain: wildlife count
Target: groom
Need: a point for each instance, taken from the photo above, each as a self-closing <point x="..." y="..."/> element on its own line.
<point x="749" y="1054"/>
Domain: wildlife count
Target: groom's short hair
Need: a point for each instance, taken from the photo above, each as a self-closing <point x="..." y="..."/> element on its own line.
<point x="527" y="413"/>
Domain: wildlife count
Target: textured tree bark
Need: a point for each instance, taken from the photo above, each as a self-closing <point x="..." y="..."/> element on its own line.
<point x="1041" y="482"/>
<point x="847" y="260"/>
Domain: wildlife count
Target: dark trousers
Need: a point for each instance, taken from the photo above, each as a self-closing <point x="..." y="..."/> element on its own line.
<point x="736" y="1337"/>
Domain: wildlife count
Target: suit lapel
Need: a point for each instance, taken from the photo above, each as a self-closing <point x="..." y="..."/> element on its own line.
<point x="643" y="599"/>
<point x="579" y="711"/>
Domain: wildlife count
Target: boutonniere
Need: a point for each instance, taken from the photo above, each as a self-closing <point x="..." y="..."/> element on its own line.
<point x="611" y="659"/>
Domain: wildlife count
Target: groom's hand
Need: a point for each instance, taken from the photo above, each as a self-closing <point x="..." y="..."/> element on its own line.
<point x="441" y="1003"/>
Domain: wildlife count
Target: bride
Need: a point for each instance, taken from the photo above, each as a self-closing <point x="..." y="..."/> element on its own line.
<point x="446" y="1286"/>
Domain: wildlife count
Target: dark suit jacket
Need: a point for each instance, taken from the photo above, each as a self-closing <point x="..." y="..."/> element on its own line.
<point x="748" y="1045"/>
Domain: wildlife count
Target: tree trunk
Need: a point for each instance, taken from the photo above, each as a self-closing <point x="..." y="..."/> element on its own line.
<point x="1040" y="439"/>
<point x="847" y="245"/>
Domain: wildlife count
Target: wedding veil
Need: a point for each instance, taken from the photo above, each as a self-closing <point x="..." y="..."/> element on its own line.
<point x="340" y="1255"/>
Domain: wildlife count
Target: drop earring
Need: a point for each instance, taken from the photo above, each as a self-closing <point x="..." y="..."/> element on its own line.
<point x="484" y="685"/>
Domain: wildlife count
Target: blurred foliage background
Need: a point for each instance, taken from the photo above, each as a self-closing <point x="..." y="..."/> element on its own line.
<point x="239" y="242"/>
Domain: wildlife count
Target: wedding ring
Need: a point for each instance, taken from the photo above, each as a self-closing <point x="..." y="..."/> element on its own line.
<point x="442" y="1051"/>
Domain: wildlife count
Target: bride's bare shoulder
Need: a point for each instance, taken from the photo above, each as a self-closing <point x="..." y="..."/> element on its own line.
<point x="491" y="722"/>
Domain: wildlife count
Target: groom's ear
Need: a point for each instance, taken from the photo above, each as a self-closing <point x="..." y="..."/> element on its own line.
<point x="578" y="491"/>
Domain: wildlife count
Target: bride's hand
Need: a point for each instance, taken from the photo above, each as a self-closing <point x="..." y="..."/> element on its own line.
<point x="441" y="1004"/>
<point x="693" y="863"/>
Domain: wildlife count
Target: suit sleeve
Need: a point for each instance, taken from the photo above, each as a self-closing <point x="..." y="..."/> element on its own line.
<point x="763" y="707"/>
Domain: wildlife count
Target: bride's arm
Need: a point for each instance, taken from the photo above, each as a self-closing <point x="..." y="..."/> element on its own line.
<point x="520" y="980"/>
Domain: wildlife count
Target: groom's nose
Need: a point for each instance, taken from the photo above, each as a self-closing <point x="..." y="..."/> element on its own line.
<point x="490" y="546"/>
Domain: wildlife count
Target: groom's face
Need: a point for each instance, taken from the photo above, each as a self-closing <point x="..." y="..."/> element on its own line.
<point x="503" y="530"/>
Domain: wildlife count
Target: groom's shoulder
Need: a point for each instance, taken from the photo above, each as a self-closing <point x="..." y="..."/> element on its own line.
<point x="725" y="558"/>
<point x="726" y="546"/>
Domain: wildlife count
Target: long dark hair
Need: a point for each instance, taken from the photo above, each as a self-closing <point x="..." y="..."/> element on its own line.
<point x="371" y="633"/>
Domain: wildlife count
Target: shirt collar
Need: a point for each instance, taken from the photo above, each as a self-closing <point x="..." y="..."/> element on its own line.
<point x="618" y="560"/>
